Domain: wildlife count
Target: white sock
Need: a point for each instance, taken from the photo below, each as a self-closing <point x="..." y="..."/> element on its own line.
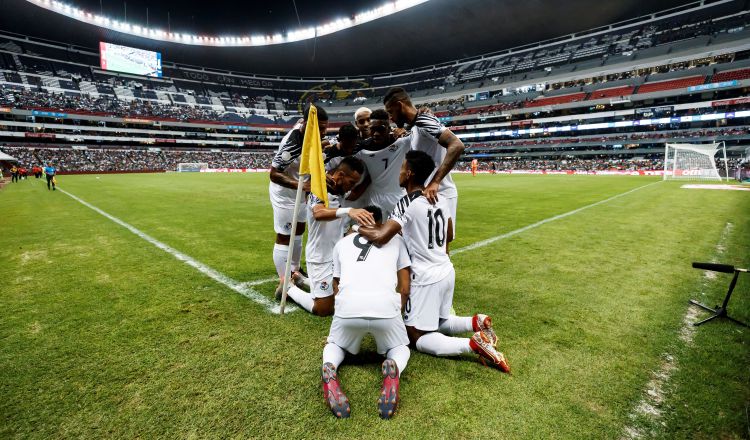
<point x="400" y="354"/>
<point x="280" y="252"/>
<point x="297" y="253"/>
<point x="302" y="298"/>
<point x="455" y="324"/>
<point x="437" y="344"/>
<point x="334" y="354"/>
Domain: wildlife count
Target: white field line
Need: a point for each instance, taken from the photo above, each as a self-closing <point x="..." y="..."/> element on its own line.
<point x="259" y="282"/>
<point x="491" y="240"/>
<point x="244" y="289"/>
<point x="646" y="414"/>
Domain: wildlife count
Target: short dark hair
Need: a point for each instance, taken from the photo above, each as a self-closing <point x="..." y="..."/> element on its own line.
<point x="421" y="164"/>
<point x="322" y="114"/>
<point x="380" y="115"/>
<point x="353" y="164"/>
<point x="376" y="212"/>
<point x="348" y="131"/>
<point x="395" y="94"/>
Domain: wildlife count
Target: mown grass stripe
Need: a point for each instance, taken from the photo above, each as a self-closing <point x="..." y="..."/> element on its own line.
<point x="491" y="240"/>
<point x="243" y="289"/>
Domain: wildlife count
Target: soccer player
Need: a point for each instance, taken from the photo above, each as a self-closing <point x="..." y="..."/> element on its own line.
<point x="383" y="154"/>
<point x="282" y="191"/>
<point x="50" y="172"/>
<point x="426" y="230"/>
<point x="346" y="145"/>
<point x="362" y="121"/>
<point x="13" y="173"/>
<point x="365" y="281"/>
<point x="326" y="228"/>
<point x="474" y="165"/>
<point x="428" y="134"/>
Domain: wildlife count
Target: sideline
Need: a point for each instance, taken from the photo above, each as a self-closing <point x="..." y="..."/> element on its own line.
<point x="245" y="289"/>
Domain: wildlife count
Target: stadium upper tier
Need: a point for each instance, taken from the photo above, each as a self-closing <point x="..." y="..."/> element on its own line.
<point x="661" y="78"/>
<point x="694" y="31"/>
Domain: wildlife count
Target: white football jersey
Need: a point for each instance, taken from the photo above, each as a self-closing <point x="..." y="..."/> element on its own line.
<point x="383" y="167"/>
<point x="322" y="235"/>
<point x="367" y="277"/>
<point x="424" y="137"/>
<point x="425" y="229"/>
<point x="286" y="160"/>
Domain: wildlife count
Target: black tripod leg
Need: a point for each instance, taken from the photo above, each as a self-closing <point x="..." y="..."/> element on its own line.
<point x="736" y="321"/>
<point x="696" y="303"/>
<point x="696" y="324"/>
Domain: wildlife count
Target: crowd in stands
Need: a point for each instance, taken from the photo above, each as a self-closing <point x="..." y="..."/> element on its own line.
<point x="621" y="137"/>
<point x="60" y="102"/>
<point x="581" y="164"/>
<point x="67" y="159"/>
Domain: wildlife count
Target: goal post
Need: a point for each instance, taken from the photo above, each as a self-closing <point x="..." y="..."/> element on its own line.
<point x="694" y="161"/>
<point x="192" y="167"/>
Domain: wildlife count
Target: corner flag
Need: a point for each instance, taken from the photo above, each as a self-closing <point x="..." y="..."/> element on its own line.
<point x="311" y="161"/>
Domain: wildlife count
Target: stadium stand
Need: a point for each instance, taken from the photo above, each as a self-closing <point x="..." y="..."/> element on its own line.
<point x="59" y="96"/>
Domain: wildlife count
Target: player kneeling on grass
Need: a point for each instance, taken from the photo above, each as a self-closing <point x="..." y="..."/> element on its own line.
<point x="326" y="227"/>
<point x="365" y="281"/>
<point x="426" y="229"/>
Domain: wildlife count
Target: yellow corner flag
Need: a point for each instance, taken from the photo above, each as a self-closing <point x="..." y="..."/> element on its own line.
<point x="311" y="161"/>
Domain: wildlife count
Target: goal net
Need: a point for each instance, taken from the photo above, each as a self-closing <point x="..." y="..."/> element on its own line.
<point x="191" y="167"/>
<point x="693" y="161"/>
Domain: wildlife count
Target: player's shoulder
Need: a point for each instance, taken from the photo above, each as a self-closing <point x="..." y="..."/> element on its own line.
<point x="426" y="118"/>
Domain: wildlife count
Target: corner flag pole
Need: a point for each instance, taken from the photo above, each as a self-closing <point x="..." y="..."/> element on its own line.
<point x="288" y="266"/>
<point x="310" y="164"/>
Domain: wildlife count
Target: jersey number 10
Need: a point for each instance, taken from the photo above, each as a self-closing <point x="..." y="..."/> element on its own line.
<point x="436" y="228"/>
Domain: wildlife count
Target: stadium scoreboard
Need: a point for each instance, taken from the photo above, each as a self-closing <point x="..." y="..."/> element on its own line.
<point x="129" y="60"/>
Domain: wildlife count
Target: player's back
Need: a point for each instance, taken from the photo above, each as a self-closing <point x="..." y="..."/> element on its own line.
<point x="425" y="133"/>
<point x="383" y="167"/>
<point x="425" y="230"/>
<point x="286" y="160"/>
<point x="367" y="277"/>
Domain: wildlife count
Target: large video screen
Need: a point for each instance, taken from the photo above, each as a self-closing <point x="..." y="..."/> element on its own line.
<point x="129" y="60"/>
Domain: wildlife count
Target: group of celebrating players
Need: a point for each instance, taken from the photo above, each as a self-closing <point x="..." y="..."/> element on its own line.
<point x="390" y="277"/>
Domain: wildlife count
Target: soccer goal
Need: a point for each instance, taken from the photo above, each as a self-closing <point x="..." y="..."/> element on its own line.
<point x="191" y="167"/>
<point x="693" y="161"/>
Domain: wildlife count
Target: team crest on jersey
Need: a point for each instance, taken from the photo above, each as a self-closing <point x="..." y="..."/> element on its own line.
<point x="393" y="147"/>
<point x="324" y="286"/>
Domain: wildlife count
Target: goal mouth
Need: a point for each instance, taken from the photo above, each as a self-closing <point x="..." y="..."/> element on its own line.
<point x="693" y="161"/>
<point x="192" y="167"/>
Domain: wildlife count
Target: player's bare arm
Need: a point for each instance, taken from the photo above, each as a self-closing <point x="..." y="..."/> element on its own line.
<point x="403" y="286"/>
<point x="455" y="148"/>
<point x="287" y="181"/>
<point x="361" y="216"/>
<point x="382" y="233"/>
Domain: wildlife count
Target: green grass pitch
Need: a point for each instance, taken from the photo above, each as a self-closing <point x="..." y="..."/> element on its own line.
<point x="103" y="335"/>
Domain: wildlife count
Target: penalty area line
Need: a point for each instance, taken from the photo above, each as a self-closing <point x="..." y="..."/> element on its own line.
<point x="491" y="240"/>
<point x="245" y="289"/>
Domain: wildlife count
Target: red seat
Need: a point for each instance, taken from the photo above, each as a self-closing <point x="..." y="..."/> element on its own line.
<point x="731" y="75"/>
<point x="612" y="92"/>
<point x="562" y="99"/>
<point x="672" y="84"/>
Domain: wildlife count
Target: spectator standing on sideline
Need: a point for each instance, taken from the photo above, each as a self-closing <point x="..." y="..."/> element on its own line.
<point x="50" y="172"/>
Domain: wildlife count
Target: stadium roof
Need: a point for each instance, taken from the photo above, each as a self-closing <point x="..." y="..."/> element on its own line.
<point x="7" y="158"/>
<point x="432" y="32"/>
